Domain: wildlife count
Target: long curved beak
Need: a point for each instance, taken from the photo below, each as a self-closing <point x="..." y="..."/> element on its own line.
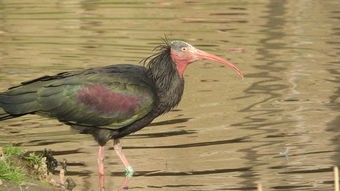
<point x="202" y="55"/>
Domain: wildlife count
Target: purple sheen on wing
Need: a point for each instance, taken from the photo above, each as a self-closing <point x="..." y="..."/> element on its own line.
<point x="104" y="100"/>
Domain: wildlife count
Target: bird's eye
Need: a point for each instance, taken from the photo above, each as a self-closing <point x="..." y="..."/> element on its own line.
<point x="184" y="48"/>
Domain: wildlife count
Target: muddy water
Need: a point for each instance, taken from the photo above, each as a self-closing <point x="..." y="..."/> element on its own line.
<point x="227" y="133"/>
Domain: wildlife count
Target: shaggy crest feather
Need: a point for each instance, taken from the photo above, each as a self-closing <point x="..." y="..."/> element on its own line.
<point x="162" y="70"/>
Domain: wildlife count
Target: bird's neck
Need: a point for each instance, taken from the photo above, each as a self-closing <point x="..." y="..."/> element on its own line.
<point x="168" y="82"/>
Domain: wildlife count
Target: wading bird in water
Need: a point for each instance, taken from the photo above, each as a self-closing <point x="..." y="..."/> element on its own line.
<point x="109" y="102"/>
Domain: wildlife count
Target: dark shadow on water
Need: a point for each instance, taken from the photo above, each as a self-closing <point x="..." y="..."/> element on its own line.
<point x="185" y="173"/>
<point x="297" y="187"/>
<point x="241" y="188"/>
<point x="199" y="144"/>
<point x="317" y="170"/>
<point x="40" y="143"/>
<point x="162" y="134"/>
<point x="176" y="186"/>
<point x="170" y="122"/>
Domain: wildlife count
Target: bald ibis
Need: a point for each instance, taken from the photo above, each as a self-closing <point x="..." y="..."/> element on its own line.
<point x="109" y="102"/>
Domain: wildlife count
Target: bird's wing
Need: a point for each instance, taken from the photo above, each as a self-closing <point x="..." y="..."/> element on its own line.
<point x="110" y="97"/>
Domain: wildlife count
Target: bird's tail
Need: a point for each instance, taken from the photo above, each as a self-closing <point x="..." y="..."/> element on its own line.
<point x="4" y="115"/>
<point x="18" y="101"/>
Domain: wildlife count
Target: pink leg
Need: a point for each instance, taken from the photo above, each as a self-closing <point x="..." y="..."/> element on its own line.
<point x="118" y="148"/>
<point x="100" y="162"/>
<point x="124" y="185"/>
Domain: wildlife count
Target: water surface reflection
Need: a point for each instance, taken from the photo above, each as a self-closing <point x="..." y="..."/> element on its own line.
<point x="226" y="134"/>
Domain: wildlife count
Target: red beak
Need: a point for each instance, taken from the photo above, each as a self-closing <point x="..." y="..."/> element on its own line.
<point x="202" y="55"/>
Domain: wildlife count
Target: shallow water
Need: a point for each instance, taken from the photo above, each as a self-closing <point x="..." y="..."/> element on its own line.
<point x="227" y="133"/>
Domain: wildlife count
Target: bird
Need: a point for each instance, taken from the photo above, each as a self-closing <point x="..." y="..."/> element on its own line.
<point x="109" y="102"/>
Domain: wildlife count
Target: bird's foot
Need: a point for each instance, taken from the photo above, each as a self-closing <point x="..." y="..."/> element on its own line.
<point x="129" y="171"/>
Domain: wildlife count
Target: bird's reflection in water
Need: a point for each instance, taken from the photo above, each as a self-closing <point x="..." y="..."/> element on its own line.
<point x="124" y="185"/>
